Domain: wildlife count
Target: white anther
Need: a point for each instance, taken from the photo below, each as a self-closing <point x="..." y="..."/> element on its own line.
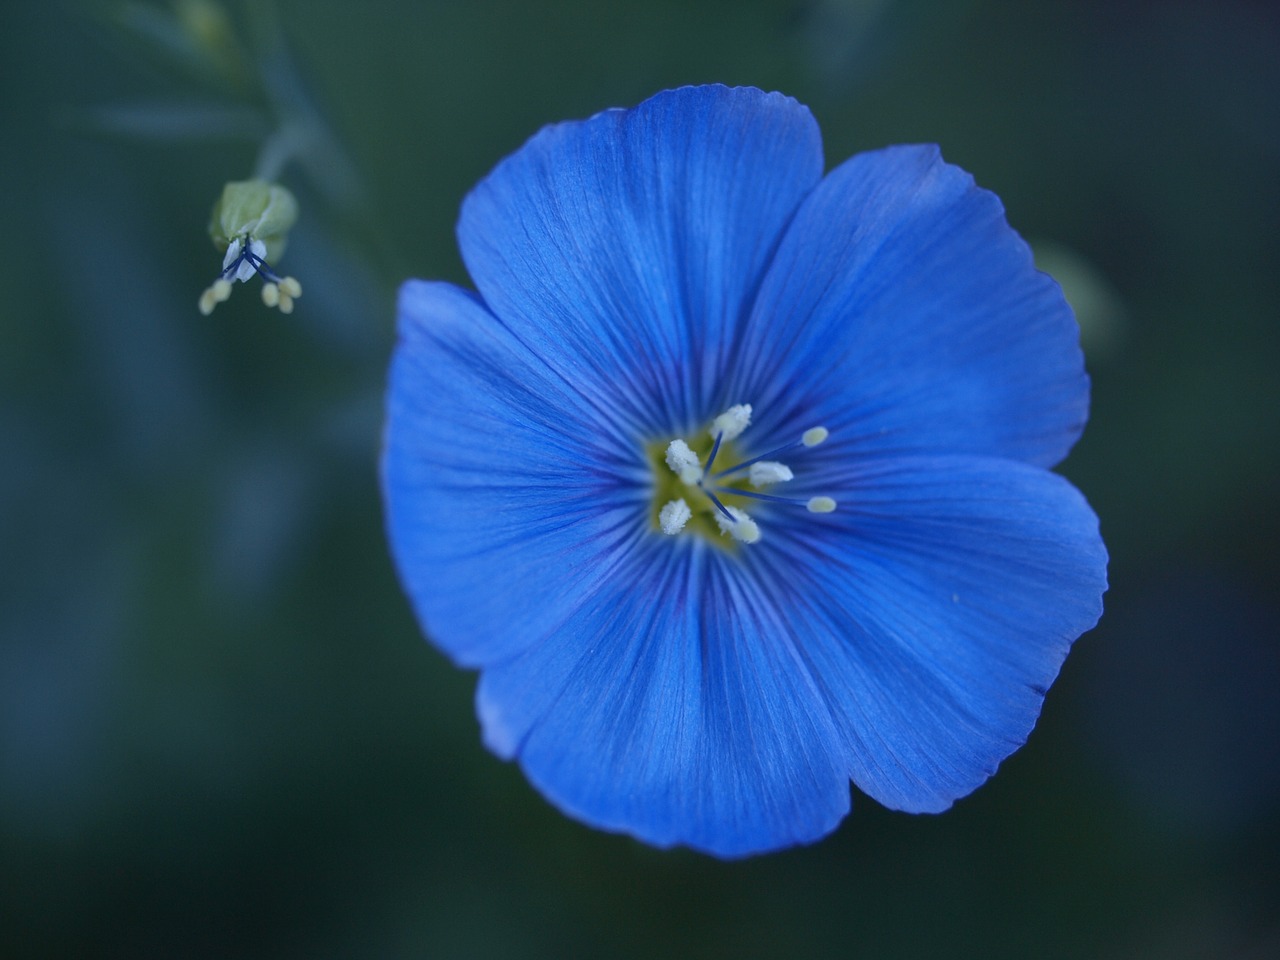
<point x="683" y="461"/>
<point x="741" y="527"/>
<point x="821" y="504"/>
<point x="814" y="436"/>
<point x="765" y="472"/>
<point x="732" y="422"/>
<point x="674" y="516"/>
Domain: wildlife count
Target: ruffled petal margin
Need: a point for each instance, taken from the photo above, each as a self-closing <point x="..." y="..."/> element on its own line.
<point x="904" y="311"/>
<point x="626" y="249"/>
<point x="670" y="713"/>
<point x="724" y="702"/>
<point x="638" y="273"/>
<point x="934" y="608"/>
<point x="624" y="669"/>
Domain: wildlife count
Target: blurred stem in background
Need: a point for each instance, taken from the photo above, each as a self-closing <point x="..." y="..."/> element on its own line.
<point x="247" y="91"/>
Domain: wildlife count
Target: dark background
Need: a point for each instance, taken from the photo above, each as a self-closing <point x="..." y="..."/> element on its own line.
<point x="221" y="734"/>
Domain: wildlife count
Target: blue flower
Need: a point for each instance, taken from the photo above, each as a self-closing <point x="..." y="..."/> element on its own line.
<point x="678" y="315"/>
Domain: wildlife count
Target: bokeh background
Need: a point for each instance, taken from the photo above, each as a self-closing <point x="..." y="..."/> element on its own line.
<point x="221" y="734"/>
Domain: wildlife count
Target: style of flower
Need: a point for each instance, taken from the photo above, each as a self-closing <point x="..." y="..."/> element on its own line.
<point x="731" y="479"/>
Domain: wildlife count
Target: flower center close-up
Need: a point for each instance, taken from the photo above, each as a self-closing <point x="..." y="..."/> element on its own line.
<point x="703" y="485"/>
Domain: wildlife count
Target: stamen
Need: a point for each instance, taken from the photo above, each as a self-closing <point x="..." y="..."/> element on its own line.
<point x="674" y="516"/>
<point x="238" y="263"/>
<point x="765" y="472"/>
<point x="732" y="422"/>
<point x="761" y="471"/>
<point x="811" y="438"/>
<point x="214" y="295"/>
<point x="683" y="461"/>
<point x="241" y="262"/>
<point x="771" y="498"/>
<point x="739" y="526"/>
<point x="259" y="261"/>
<point x="814" y="436"/>
<point x="711" y="458"/>
<point x="284" y="289"/>
<point x="724" y="511"/>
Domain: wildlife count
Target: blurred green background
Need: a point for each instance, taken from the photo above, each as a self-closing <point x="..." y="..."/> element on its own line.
<point x="221" y="734"/>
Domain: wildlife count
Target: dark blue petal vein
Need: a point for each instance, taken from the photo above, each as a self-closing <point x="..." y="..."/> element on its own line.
<point x="935" y="608"/>
<point x="626" y="249"/>
<point x="904" y="312"/>
<point x="638" y="273"/>
<point x="504" y="504"/>
<point x="670" y="711"/>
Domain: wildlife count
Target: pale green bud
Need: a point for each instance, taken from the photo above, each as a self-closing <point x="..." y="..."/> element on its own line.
<point x="208" y="29"/>
<point x="205" y="22"/>
<point x="254" y="210"/>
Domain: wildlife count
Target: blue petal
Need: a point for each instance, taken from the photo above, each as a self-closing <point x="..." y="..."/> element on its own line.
<point x="936" y="605"/>
<point x="903" y="311"/>
<point x="626" y="249"/>
<point x="675" y="709"/>
<point x="505" y="502"/>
